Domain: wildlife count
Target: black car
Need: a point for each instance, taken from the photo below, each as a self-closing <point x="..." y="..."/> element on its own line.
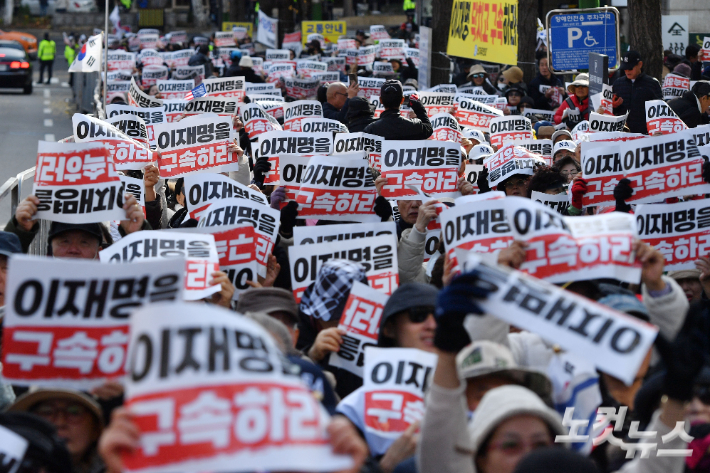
<point x="15" y="68"/>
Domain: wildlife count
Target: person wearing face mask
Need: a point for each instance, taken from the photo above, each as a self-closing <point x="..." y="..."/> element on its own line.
<point x="77" y="418"/>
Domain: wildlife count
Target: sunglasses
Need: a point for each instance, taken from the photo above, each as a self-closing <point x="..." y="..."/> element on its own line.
<point x="72" y="412"/>
<point x="418" y="315"/>
<point x="514" y="94"/>
<point x="478" y="76"/>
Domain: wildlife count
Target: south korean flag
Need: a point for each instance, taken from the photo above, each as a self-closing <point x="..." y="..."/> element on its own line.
<point x="89" y="57"/>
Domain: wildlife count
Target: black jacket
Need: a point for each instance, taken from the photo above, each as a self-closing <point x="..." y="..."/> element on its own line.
<point x="538" y="97"/>
<point x="635" y="95"/>
<point x="250" y="76"/>
<point x="360" y="114"/>
<point x="392" y="126"/>
<point x="334" y="114"/>
<point x="199" y="59"/>
<point x="686" y="107"/>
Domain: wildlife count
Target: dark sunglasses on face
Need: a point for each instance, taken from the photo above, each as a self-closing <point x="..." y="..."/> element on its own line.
<point x="514" y="94"/>
<point x="418" y="315"/>
<point x="478" y="76"/>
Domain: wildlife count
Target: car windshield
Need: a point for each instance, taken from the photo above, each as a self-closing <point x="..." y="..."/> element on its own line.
<point x="11" y="44"/>
<point x="11" y="53"/>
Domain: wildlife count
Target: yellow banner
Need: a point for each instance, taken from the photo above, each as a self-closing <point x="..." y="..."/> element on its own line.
<point x="331" y="30"/>
<point x="228" y="25"/>
<point x="485" y="30"/>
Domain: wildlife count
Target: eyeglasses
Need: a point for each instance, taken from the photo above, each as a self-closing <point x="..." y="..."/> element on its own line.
<point x="518" y="447"/>
<point x="418" y="315"/>
<point x="72" y="412"/>
<point x="514" y="94"/>
<point x="569" y="173"/>
<point x="478" y="76"/>
<point x="517" y="183"/>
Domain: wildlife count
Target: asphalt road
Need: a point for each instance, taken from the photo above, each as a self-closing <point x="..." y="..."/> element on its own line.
<point x="26" y="119"/>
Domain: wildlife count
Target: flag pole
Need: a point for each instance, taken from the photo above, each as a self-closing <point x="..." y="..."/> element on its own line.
<point x="105" y="57"/>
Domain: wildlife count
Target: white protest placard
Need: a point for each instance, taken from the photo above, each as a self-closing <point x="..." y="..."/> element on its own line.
<point x="148" y="41"/>
<point x="378" y="32"/>
<point x="382" y="69"/>
<point x="335" y="64"/>
<point x="607" y="123"/>
<point x="369" y="86"/>
<point x="138" y="98"/>
<point x="446" y="128"/>
<point x="541" y="115"/>
<point x="430" y="166"/>
<point x="149" y="57"/>
<point x="291" y="172"/>
<point x="294" y="112"/>
<point x="260" y="88"/>
<point x="150" y="117"/>
<point x="674" y="86"/>
<point x="680" y="231"/>
<point x="354" y="142"/>
<point x="437" y="102"/>
<point x="446" y="88"/>
<point x="223" y="38"/>
<point x="509" y="161"/>
<point x="471" y="112"/>
<point x="277" y="55"/>
<point x="279" y="70"/>
<point x="235" y="394"/>
<point x="301" y="89"/>
<point x="562" y="249"/>
<point x="132" y="126"/>
<point x="66" y="320"/>
<point x="539" y="147"/>
<point x="322" y="125"/>
<point x="204" y="189"/>
<point x="471" y="172"/>
<point x="395" y="382"/>
<point x="337" y="187"/>
<point x="257" y="120"/>
<point x="119" y="76"/>
<point x="223" y="106"/>
<point x="189" y="72"/>
<point x="12" y="450"/>
<point x="327" y="77"/>
<point x="195" y="145"/>
<point x="236" y="249"/>
<point x="341" y="232"/>
<point x="366" y="55"/>
<point x="392" y="49"/>
<point x="229" y="87"/>
<point x="510" y="128"/>
<point x="117" y="88"/>
<point x="174" y="109"/>
<point x="308" y="68"/>
<point x="178" y="58"/>
<point x="276" y="143"/>
<point x="77" y="183"/>
<point x="198" y="252"/>
<point x="378" y="255"/>
<point x="557" y="202"/>
<point x="361" y="323"/>
<point x="658" y="167"/>
<point x="118" y="60"/>
<point x="661" y="118"/>
<point x="617" y="343"/>
<point x="125" y="151"/>
<point x="227" y="212"/>
<point x="174" y="89"/>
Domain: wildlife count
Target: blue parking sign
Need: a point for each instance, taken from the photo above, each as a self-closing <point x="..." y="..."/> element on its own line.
<point x="575" y="34"/>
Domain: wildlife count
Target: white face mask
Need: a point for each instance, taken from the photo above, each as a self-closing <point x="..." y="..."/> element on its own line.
<point x="502" y="85"/>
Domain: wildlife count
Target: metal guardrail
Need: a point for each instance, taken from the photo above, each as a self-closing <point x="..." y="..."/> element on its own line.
<point x="13" y="188"/>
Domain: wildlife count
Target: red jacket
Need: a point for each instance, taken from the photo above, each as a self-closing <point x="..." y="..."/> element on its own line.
<point x="582" y="107"/>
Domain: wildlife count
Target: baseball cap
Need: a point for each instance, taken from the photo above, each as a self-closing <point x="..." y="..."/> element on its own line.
<point x="9" y="244"/>
<point x="473" y="134"/>
<point x="405" y="297"/>
<point x="561" y="133"/>
<point x="480" y="151"/>
<point x="391" y="89"/>
<point x="629" y="60"/>
<point x="484" y="357"/>
<point x="268" y="299"/>
<point x="564" y="144"/>
<point x="94" y="229"/>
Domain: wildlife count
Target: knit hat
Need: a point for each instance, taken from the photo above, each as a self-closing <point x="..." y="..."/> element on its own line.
<point x="503" y="403"/>
<point x="405" y="297"/>
<point x="682" y="69"/>
<point x="326" y="297"/>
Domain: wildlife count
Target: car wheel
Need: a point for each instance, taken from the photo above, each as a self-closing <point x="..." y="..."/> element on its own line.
<point x="27" y="89"/>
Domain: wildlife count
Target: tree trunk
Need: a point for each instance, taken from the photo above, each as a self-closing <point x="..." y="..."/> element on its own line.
<point x="440" y="22"/>
<point x="527" y="37"/>
<point x="348" y="8"/>
<point x="645" y="16"/>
